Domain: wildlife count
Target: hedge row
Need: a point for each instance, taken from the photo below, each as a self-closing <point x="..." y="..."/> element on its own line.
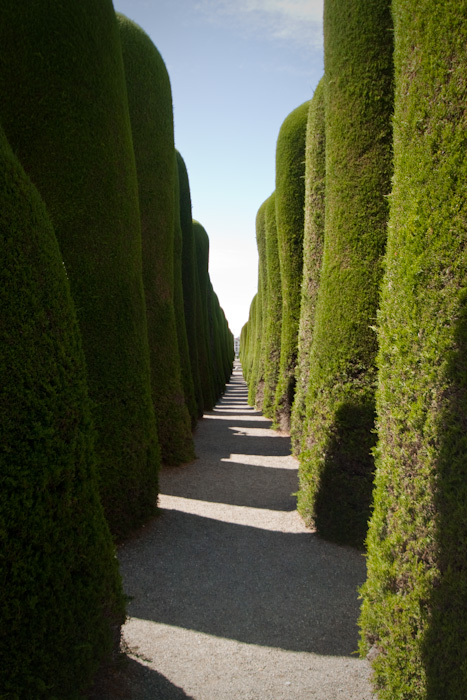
<point x="151" y="115"/>
<point x="61" y="604"/>
<point x="313" y="240"/>
<point x="414" y="616"/>
<point x="383" y="332"/>
<point x="99" y="382"/>
<point x="336" y="465"/>
<point x="333" y="167"/>
<point x="66" y="117"/>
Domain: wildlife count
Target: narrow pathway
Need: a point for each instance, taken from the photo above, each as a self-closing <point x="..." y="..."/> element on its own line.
<point x="232" y="598"/>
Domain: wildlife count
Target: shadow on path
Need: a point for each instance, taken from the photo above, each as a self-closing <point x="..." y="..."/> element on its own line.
<point x="252" y="583"/>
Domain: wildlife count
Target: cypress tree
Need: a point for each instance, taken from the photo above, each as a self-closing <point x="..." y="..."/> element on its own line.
<point x="205" y="350"/>
<point x="336" y="470"/>
<point x="290" y="197"/>
<point x="414" y="614"/>
<point x="61" y="604"/>
<point x="272" y="330"/>
<point x="249" y="353"/>
<point x="313" y="239"/>
<point x="256" y="388"/>
<point x="65" y="113"/>
<point x="179" y="306"/>
<point x="189" y="278"/>
<point x="150" y="103"/>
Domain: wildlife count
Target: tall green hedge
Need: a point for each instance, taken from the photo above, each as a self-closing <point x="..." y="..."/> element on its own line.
<point x="290" y="198"/>
<point x="248" y="356"/>
<point x="244" y="345"/>
<point x="313" y="241"/>
<point x="150" y="103"/>
<point x="222" y="355"/>
<point x="205" y="349"/>
<point x="336" y="470"/>
<point x="273" y="312"/>
<point x="64" y="109"/>
<point x="179" y="307"/>
<point x="61" y="604"/>
<point x="189" y="278"/>
<point x="256" y="386"/>
<point x="414" y="613"/>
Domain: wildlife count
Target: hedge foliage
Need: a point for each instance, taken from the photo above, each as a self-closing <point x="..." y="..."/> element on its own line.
<point x="313" y="241"/>
<point x="273" y="309"/>
<point x="78" y="435"/>
<point x="336" y="466"/>
<point x="179" y="306"/>
<point x="151" y="115"/>
<point x="64" y="109"/>
<point x="414" y="613"/>
<point x="256" y="382"/>
<point x="290" y="198"/>
<point x="205" y="349"/>
<point x="189" y="278"/>
<point x="61" y="604"/>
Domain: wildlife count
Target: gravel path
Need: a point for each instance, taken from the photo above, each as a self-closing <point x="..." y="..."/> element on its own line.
<point x="232" y="598"/>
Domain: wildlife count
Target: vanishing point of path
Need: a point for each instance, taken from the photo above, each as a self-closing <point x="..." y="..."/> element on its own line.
<point x="232" y="598"/>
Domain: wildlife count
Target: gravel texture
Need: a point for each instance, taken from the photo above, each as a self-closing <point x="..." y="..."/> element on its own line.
<point x="232" y="597"/>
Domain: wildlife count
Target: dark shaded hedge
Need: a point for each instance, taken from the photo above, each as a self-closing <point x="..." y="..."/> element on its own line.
<point x="414" y="614"/>
<point x="64" y="109"/>
<point x="202" y="290"/>
<point x="150" y="104"/>
<point x="290" y="198"/>
<point x="222" y="343"/>
<point x="336" y="471"/>
<point x="179" y="307"/>
<point x="61" y="604"/>
<point x="189" y="278"/>
<point x="313" y="241"/>
<point x="273" y="312"/>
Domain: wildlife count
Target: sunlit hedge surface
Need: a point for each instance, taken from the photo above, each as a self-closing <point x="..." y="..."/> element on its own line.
<point x="273" y="324"/>
<point x="414" y="615"/>
<point x="290" y="198"/>
<point x="313" y="241"/>
<point x="336" y="469"/>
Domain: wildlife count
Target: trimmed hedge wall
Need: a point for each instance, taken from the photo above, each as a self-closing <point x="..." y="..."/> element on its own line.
<point x="61" y="601"/>
<point x="256" y="386"/>
<point x="336" y="469"/>
<point x="272" y="331"/>
<point x="290" y="198"/>
<point x="250" y="339"/>
<point x="257" y="350"/>
<point x="150" y="104"/>
<point x="179" y="306"/>
<point x="313" y="241"/>
<point x="414" y="615"/>
<point x="64" y="109"/>
<point x="205" y="350"/>
<point x="189" y="278"/>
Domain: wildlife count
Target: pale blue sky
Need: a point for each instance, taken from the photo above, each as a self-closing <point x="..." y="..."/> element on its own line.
<point x="237" y="69"/>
